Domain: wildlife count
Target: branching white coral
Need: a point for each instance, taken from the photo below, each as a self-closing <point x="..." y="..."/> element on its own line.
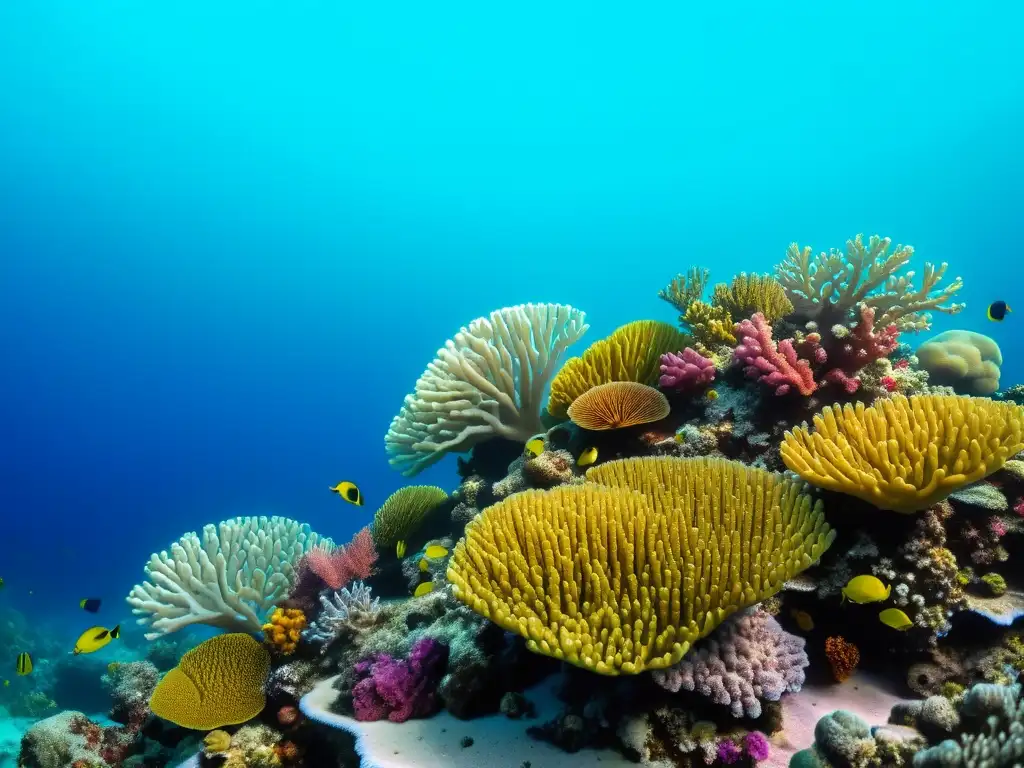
<point x="340" y="609"/>
<point x="488" y="381"/>
<point x="827" y="287"/>
<point x="228" y="578"/>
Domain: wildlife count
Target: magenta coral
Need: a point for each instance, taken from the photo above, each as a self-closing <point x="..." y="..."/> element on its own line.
<point x="686" y="371"/>
<point x="747" y="660"/>
<point x="340" y="566"/>
<point x="728" y="752"/>
<point x="396" y="689"/>
<point x="756" y="745"/>
<point x="858" y="347"/>
<point x="777" y="366"/>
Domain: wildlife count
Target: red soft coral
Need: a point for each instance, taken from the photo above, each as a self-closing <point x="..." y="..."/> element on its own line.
<point x="340" y="566"/>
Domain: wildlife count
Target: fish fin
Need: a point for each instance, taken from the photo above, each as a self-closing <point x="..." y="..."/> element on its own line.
<point x="888" y="591"/>
<point x="115" y="632"/>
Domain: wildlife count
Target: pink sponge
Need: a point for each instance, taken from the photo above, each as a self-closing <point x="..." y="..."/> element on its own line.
<point x="747" y="660"/>
<point x="687" y="370"/>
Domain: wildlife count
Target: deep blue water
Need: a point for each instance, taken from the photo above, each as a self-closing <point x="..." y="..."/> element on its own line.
<point x="232" y="237"/>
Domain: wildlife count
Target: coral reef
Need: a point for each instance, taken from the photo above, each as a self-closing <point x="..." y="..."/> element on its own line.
<point x="337" y="566"/>
<point x="967" y="361"/>
<point x="488" y="381"/>
<point x="687" y="371"/>
<point x="618" y="404"/>
<point x="399" y="689"/>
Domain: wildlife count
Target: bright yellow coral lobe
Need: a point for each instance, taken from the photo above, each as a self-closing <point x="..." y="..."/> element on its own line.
<point x="624" y="572"/>
<point x="905" y="454"/>
<point x="284" y="629"/>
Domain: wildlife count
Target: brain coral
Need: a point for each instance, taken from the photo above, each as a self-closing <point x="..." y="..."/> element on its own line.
<point x="217" y="683"/>
<point x="625" y="572"/>
<point x="967" y="361"/>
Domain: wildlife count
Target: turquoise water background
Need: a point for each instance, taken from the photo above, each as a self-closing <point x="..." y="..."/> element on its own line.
<point x="232" y="235"/>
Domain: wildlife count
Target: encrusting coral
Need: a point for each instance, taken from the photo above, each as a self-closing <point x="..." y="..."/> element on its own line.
<point x="488" y="381"/>
<point x="229" y="578"/>
<point x="905" y="454"/>
<point x="631" y="353"/>
<point x="618" y="404"/>
<point x="608" y="575"/>
<point x="403" y="512"/>
<point x="749" y="659"/>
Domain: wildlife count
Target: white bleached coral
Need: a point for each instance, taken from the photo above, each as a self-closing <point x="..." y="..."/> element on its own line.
<point x="340" y="609"/>
<point x="228" y="577"/>
<point x="488" y="381"/>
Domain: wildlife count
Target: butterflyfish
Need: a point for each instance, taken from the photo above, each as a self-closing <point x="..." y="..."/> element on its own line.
<point x="866" y="589"/>
<point x="90" y="604"/>
<point x="534" y="448"/>
<point x="895" y="618"/>
<point x="400" y="549"/>
<point x="587" y="458"/>
<point x="349" y="492"/>
<point x="24" y="664"/>
<point x="997" y="311"/>
<point x="435" y="552"/>
<point x="95" y="638"/>
<point x="424" y="589"/>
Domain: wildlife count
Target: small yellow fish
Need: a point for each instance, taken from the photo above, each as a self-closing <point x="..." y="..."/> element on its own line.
<point x="587" y="458"/>
<point x="711" y="394"/>
<point x="424" y="565"/>
<point x="866" y="589"/>
<point x="803" y="619"/>
<point x="95" y="638"/>
<point x="24" y="664"/>
<point x="895" y="618"/>
<point x="534" y="448"/>
<point x="349" y="492"/>
<point x="7" y="683"/>
<point x="435" y="552"/>
<point x="400" y="549"/>
<point x="424" y="589"/>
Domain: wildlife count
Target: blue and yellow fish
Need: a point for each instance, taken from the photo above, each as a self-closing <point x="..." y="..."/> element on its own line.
<point x="587" y="458"/>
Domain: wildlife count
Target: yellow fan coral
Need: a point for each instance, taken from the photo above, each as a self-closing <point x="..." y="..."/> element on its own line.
<point x="217" y="683"/>
<point x="905" y="454"/>
<point x="618" y="404"/>
<point x="403" y="511"/>
<point x="631" y="353"/>
<point x="686" y="289"/>
<point x="625" y="572"/>
<point x="753" y="293"/>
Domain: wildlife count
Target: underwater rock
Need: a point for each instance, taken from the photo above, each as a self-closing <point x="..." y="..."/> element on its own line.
<point x="130" y="686"/>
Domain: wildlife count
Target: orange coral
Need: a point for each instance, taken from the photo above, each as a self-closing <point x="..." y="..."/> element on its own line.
<point x="843" y="656"/>
<point x="618" y="404"/>
<point x="284" y="629"/>
<point x="287" y="751"/>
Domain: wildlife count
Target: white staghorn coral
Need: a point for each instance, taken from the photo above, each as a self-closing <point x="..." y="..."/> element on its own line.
<point x="228" y="578"/>
<point x="488" y="381"/>
<point x="340" y="609"/>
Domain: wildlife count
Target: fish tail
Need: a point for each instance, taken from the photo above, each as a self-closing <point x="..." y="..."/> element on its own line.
<point x="115" y="632"/>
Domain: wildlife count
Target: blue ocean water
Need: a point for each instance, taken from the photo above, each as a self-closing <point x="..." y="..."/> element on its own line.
<point x="232" y="235"/>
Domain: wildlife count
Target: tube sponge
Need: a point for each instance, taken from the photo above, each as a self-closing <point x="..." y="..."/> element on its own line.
<point x="488" y="381"/>
<point x="230" y="577"/>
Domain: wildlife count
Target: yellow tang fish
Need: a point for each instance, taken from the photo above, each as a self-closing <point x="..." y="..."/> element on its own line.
<point x="435" y="551"/>
<point x="866" y="589"/>
<point x="400" y="549"/>
<point x="424" y="565"/>
<point x="424" y="589"/>
<point x="895" y="618"/>
<point x="349" y="492"/>
<point x="95" y="638"/>
<point x="587" y="458"/>
<point x="534" y="448"/>
<point x="24" y="664"/>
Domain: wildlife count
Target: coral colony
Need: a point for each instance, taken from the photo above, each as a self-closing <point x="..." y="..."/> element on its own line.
<point x="773" y="534"/>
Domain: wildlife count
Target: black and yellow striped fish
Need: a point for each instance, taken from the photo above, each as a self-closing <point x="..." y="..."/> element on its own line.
<point x="24" y="664"/>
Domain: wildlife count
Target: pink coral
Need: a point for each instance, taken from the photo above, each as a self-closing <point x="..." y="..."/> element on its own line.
<point x="398" y="690"/>
<point x="686" y="371"/>
<point x="728" y="752"/>
<point x="756" y="745"/>
<point x="748" y="659"/>
<point x="1019" y="507"/>
<point x="340" y="566"/>
<point x="889" y="383"/>
<point x="858" y="347"/>
<point x="777" y="366"/>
